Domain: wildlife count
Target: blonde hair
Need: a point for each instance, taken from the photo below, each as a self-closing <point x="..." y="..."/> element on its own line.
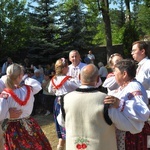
<point x="12" y="73"/>
<point x="59" y="65"/>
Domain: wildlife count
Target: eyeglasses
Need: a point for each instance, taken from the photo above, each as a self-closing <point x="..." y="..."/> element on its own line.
<point x="133" y="50"/>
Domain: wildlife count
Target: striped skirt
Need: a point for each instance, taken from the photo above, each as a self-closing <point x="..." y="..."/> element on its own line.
<point x="24" y="134"/>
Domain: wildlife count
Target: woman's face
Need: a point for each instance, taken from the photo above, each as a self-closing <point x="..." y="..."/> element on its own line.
<point x="119" y="76"/>
<point x="65" y="70"/>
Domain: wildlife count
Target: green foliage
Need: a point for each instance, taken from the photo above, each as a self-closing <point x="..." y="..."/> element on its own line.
<point x="99" y="38"/>
<point x="43" y="42"/>
<point x="130" y="35"/>
<point x="117" y="18"/>
<point x="78" y="26"/>
<point x="117" y="36"/>
<point x="48" y="29"/>
<point x="13" y="27"/>
<point x="143" y="19"/>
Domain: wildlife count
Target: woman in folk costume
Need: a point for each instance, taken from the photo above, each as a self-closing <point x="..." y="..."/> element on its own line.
<point x="61" y="84"/>
<point x="13" y="112"/>
<point x="110" y="82"/>
<point x="23" y="132"/>
<point x="131" y="99"/>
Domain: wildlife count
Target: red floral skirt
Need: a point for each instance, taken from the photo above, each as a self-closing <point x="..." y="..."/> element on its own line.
<point x="25" y="134"/>
<point x="138" y="141"/>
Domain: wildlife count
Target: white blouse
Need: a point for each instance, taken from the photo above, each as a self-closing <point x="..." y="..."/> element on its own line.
<point x="133" y="110"/>
<point x="21" y="92"/>
<point x="68" y="86"/>
<point x="110" y="83"/>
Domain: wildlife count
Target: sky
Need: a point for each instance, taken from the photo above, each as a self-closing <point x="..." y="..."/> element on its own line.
<point x="111" y="5"/>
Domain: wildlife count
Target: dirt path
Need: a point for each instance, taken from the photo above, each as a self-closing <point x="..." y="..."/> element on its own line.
<point x="48" y="126"/>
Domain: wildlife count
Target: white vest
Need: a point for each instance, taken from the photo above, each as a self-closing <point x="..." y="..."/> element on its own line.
<point x="85" y="125"/>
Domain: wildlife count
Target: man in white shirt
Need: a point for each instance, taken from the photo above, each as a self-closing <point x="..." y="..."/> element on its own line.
<point x="76" y="64"/>
<point x="91" y="57"/>
<point x="102" y="72"/>
<point x="140" y="54"/>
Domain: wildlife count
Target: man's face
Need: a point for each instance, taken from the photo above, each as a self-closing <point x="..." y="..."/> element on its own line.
<point x="137" y="54"/>
<point x="74" y="57"/>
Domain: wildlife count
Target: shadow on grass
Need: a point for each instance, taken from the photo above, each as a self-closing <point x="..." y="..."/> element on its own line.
<point x="44" y="120"/>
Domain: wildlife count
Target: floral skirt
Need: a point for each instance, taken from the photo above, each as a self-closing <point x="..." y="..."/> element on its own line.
<point x="24" y="134"/>
<point x="138" y="141"/>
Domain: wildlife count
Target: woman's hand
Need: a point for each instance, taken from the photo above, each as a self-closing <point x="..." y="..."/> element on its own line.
<point x="114" y="101"/>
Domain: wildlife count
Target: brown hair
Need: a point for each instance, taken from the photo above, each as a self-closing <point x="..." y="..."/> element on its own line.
<point x="142" y="45"/>
<point x="127" y="65"/>
<point x="111" y="57"/>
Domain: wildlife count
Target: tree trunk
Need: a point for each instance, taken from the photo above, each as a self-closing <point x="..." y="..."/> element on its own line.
<point x="127" y="15"/>
<point x="103" y="6"/>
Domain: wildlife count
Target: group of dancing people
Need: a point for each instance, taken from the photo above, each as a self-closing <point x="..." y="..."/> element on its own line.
<point x="85" y="117"/>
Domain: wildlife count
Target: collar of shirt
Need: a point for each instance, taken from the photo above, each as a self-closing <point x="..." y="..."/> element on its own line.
<point x="86" y="86"/>
<point x="142" y="61"/>
<point x="75" y="67"/>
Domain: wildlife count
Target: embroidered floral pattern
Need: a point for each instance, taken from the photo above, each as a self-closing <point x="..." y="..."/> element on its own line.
<point x="133" y="94"/>
<point x="81" y="143"/>
<point x="18" y="138"/>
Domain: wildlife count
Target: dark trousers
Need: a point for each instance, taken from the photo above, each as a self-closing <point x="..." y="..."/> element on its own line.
<point x="48" y="102"/>
<point x="37" y="102"/>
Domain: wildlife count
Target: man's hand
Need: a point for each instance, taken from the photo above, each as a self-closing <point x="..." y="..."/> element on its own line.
<point x="14" y="113"/>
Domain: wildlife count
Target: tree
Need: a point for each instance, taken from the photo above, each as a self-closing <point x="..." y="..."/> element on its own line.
<point x="143" y="18"/>
<point x="13" y="27"/>
<point x="78" y="26"/>
<point x="128" y="13"/>
<point x="103" y="6"/>
<point x="43" y="42"/>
